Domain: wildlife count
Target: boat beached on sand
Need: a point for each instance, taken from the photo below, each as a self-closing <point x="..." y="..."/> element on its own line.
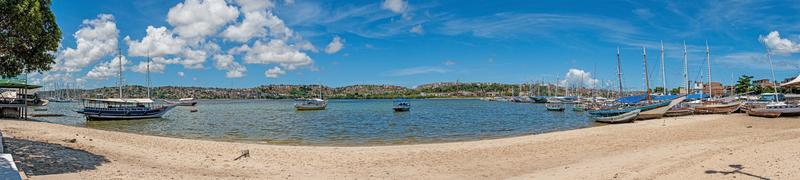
<point x="622" y="118"/>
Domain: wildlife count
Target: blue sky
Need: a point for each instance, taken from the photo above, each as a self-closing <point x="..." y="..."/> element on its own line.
<point x="248" y="43"/>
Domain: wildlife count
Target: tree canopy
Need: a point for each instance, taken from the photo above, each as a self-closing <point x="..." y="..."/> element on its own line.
<point x="29" y="36"/>
<point x="744" y="85"/>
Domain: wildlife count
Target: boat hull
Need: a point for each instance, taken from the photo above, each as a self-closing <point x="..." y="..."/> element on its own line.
<point x="309" y="108"/>
<point x="763" y="113"/>
<point x="717" y="109"/>
<point x="105" y="115"/>
<point x="401" y="109"/>
<point x="622" y="118"/>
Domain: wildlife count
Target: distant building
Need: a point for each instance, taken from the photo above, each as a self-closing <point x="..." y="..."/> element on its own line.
<point x="763" y="83"/>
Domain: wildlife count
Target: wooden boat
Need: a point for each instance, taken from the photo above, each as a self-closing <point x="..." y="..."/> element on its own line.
<point x="775" y="109"/>
<point x="401" y="106"/>
<point x="684" y="111"/>
<point x="718" y="108"/>
<point x="625" y="109"/>
<point x="622" y="118"/>
<point x="554" y="106"/>
<point x="311" y="104"/>
<point x="122" y="109"/>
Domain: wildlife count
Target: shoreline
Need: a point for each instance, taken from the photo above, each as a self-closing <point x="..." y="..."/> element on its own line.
<point x="683" y="147"/>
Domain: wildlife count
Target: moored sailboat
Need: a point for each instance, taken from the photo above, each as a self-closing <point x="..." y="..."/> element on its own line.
<point x="123" y="108"/>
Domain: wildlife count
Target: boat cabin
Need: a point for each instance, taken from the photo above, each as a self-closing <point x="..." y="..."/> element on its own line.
<point x="770" y="97"/>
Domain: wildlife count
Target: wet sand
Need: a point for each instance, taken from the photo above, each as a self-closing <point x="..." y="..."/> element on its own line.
<point x="693" y="147"/>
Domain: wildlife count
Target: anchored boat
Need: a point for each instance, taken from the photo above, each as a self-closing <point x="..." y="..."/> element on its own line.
<point x="401" y="105"/>
<point x="122" y="109"/>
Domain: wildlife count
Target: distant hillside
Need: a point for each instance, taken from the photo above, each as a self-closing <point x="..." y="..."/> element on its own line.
<point x="285" y="91"/>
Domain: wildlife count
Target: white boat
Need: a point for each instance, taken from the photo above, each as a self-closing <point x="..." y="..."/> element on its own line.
<point x="622" y="118"/>
<point x="311" y="104"/>
<point x="184" y="102"/>
<point x="554" y="106"/>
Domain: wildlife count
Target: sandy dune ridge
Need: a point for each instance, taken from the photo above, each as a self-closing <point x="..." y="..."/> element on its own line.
<point x="694" y="147"/>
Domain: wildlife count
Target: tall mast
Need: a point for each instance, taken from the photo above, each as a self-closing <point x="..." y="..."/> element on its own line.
<point x="148" y="75"/>
<point x="708" y="62"/>
<point x="119" y="55"/>
<point x="646" y="78"/>
<point x="686" y="68"/>
<point x="619" y="73"/>
<point x="772" y="70"/>
<point x="663" y="74"/>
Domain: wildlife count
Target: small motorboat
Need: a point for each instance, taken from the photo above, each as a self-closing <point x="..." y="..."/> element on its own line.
<point x="401" y="106"/>
<point x="184" y="102"/>
<point x="554" y="106"/>
<point x="622" y="118"/>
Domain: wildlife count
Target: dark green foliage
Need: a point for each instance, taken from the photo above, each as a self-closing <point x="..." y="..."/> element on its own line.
<point x="29" y="36"/>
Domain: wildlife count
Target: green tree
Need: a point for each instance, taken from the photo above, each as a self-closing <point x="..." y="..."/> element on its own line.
<point x="744" y="84"/>
<point x="29" y="36"/>
<point x="675" y="91"/>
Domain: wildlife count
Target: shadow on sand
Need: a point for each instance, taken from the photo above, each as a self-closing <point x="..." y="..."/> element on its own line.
<point x="39" y="158"/>
<point x="737" y="169"/>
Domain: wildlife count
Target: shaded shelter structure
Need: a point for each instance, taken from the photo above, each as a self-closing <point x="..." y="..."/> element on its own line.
<point x="13" y="101"/>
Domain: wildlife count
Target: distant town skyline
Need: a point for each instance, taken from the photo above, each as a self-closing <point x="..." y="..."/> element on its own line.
<point x="245" y="43"/>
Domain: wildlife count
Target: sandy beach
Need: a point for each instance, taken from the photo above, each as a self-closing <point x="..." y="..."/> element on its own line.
<point x="693" y="147"/>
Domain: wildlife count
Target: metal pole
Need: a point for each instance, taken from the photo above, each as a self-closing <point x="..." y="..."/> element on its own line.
<point x="619" y="73"/>
<point x="708" y="62"/>
<point x="686" y="69"/>
<point x="663" y="74"/>
<point x="646" y="79"/>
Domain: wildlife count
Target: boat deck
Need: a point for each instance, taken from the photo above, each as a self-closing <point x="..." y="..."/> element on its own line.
<point x="659" y="112"/>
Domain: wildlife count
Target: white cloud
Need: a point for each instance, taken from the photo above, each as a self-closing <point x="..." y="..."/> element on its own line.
<point x="196" y="19"/>
<point x="274" y="72"/>
<point x="181" y="74"/>
<point x="154" y="67"/>
<point x="397" y="6"/>
<point x="276" y="51"/>
<point x="158" y="42"/>
<point x="226" y="62"/>
<point x="417" y="29"/>
<point x="449" y="63"/>
<point x="193" y="59"/>
<point x="107" y="69"/>
<point x="255" y="5"/>
<point x="778" y="45"/>
<point x="252" y="26"/>
<point x="95" y="39"/>
<point x="577" y="77"/>
<point x="335" y="46"/>
<point x="418" y="70"/>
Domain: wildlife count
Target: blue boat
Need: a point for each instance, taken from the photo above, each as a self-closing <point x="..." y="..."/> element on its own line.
<point x="401" y="105"/>
<point x="628" y="108"/>
<point x="123" y="109"/>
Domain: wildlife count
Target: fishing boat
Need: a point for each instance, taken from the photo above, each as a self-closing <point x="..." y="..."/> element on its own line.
<point x="554" y="106"/>
<point x="621" y="118"/>
<point x="123" y="108"/>
<point x="721" y="108"/>
<point x="401" y="105"/>
<point x="625" y="108"/>
<point x="776" y="106"/>
<point x="184" y="102"/>
<point x="679" y="111"/>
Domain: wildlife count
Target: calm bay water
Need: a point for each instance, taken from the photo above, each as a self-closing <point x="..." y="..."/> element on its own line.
<point x="345" y="122"/>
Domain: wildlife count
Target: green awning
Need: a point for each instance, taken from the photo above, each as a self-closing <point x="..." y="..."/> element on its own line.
<point x="16" y="82"/>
